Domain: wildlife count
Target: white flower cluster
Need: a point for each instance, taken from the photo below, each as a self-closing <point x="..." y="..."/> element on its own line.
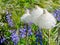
<point x="40" y="17"/>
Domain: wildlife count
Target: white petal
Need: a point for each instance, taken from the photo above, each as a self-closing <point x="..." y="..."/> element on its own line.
<point x="26" y="18"/>
<point x="46" y="20"/>
<point x="37" y="11"/>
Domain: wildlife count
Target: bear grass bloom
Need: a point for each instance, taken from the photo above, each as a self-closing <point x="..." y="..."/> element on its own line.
<point x="40" y="17"/>
<point x="57" y="14"/>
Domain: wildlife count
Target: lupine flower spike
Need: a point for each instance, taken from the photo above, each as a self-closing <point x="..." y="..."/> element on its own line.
<point x="2" y="39"/>
<point x="14" y="37"/>
<point x="57" y="14"/>
<point x="39" y="37"/>
<point x="24" y="30"/>
<point x="9" y="20"/>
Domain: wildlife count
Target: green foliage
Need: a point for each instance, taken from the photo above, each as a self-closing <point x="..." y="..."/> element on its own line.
<point x="17" y="8"/>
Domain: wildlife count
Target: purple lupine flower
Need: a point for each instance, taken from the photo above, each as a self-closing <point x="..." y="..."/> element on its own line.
<point x="12" y="31"/>
<point x="9" y="20"/>
<point x="26" y="29"/>
<point x="39" y="37"/>
<point x="57" y="14"/>
<point x="29" y="31"/>
<point x="22" y="33"/>
<point x="15" y="38"/>
<point x="2" y="39"/>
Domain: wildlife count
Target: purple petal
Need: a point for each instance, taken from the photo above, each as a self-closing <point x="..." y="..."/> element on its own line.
<point x="54" y="15"/>
<point x="23" y="35"/>
<point x="58" y="18"/>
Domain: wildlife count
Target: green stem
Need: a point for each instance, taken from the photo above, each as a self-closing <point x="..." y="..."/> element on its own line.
<point x="49" y="36"/>
<point x="58" y="35"/>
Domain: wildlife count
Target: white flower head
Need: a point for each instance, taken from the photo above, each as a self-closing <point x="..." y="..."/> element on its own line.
<point x="26" y="18"/>
<point x="35" y="13"/>
<point x="46" y="20"/>
<point x="40" y="17"/>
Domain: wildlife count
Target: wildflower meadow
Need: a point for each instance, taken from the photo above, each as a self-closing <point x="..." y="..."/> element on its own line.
<point x="29" y="22"/>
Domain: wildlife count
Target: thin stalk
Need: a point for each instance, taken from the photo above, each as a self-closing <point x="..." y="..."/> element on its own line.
<point x="27" y="40"/>
<point x="57" y="25"/>
<point x="49" y="37"/>
<point x="58" y="35"/>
